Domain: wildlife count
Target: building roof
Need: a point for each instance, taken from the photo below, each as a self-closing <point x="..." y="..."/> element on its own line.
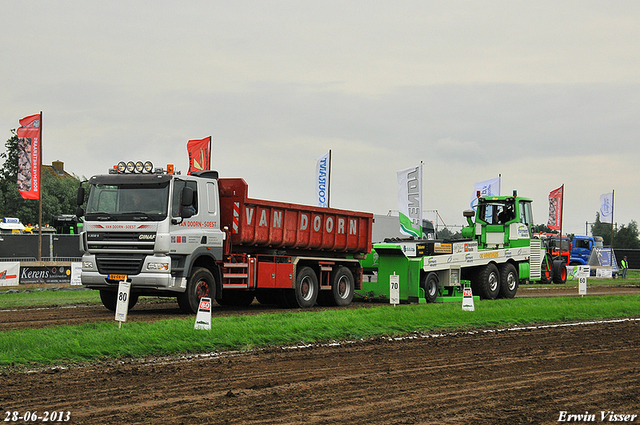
<point x="57" y="169"/>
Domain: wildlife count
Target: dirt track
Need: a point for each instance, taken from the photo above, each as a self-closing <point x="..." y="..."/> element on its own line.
<point x="512" y="376"/>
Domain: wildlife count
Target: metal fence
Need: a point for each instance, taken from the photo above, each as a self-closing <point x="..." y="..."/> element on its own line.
<point x="55" y="247"/>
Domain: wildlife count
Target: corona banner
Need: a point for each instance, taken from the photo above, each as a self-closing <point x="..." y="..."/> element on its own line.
<point x="323" y="175"/>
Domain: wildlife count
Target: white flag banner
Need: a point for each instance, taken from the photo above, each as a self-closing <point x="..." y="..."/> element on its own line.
<point x="606" y="208"/>
<point x="410" y="201"/>
<point x="486" y="188"/>
<point x="323" y="168"/>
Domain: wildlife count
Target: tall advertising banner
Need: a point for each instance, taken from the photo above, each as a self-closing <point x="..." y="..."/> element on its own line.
<point x="486" y="188"/>
<point x="555" y="209"/>
<point x="199" y="154"/>
<point x="606" y="208"/>
<point x="29" y="156"/>
<point x="410" y="201"/>
<point x="323" y="173"/>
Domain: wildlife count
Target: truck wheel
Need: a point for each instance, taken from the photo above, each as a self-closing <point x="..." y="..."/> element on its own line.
<point x="430" y="285"/>
<point x="342" y="287"/>
<point x="201" y="283"/>
<point x="559" y="272"/>
<point x="508" y="280"/>
<point x="305" y="292"/>
<point x="489" y="282"/>
<point x="110" y="299"/>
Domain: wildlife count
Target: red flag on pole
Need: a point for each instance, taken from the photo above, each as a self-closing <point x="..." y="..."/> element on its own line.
<point x="555" y="209"/>
<point x="29" y="156"/>
<point x="199" y="154"/>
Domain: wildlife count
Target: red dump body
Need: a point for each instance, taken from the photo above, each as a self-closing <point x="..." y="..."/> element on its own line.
<point x="259" y="223"/>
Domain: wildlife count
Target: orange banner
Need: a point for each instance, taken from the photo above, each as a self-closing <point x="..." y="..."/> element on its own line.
<point x="199" y="154"/>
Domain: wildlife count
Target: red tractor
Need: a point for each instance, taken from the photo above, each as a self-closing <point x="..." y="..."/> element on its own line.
<point x="554" y="267"/>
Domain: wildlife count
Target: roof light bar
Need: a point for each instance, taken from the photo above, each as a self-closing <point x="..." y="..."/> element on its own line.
<point x="137" y="167"/>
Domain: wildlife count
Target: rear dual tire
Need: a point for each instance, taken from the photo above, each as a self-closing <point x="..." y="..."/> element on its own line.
<point x="488" y="282"/>
<point x="508" y="281"/>
<point x="497" y="282"/>
<point x="305" y="292"/>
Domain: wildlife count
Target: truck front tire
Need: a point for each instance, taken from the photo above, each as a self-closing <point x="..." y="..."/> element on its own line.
<point x="110" y="299"/>
<point x="201" y="284"/>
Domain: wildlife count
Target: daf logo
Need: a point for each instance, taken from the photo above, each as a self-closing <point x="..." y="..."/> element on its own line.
<point x="146" y="237"/>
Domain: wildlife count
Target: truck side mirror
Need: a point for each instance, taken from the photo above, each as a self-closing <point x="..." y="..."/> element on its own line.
<point x="79" y="211"/>
<point x="469" y="213"/>
<point x="80" y="198"/>
<point x="186" y="198"/>
<point x="186" y="202"/>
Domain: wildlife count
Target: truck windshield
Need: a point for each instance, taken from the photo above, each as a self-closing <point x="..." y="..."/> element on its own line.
<point x="554" y="242"/>
<point x="128" y="202"/>
<point x="496" y="211"/>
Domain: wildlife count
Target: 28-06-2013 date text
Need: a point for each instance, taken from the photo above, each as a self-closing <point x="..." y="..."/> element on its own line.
<point x="35" y="416"/>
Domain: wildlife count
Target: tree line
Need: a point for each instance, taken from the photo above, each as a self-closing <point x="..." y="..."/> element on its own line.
<point x="58" y="194"/>
<point x="59" y="197"/>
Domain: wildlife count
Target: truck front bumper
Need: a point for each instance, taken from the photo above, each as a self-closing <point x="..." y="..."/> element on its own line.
<point x="151" y="281"/>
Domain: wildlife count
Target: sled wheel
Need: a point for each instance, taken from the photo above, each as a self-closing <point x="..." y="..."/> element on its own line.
<point x="430" y="285"/>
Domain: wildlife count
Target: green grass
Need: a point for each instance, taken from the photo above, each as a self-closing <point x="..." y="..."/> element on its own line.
<point x="43" y="297"/>
<point x="100" y="341"/>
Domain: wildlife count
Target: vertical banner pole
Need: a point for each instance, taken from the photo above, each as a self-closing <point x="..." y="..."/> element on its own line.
<point x="613" y="202"/>
<point x="329" y="183"/>
<point x="561" y="215"/>
<point x="40" y="195"/>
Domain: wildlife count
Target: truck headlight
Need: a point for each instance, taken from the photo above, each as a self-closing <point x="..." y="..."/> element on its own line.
<point x="158" y="266"/>
<point x="87" y="265"/>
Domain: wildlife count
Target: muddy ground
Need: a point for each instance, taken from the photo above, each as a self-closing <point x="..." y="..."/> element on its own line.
<point x="516" y="376"/>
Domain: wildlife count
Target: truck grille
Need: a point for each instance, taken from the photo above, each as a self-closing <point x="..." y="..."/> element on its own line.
<point x="119" y="264"/>
<point x="121" y="242"/>
<point x="535" y="259"/>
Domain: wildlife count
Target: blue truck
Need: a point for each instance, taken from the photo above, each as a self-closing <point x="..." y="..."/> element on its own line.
<point x="582" y="247"/>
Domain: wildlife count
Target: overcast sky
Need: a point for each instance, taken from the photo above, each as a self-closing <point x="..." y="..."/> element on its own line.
<point x="543" y="93"/>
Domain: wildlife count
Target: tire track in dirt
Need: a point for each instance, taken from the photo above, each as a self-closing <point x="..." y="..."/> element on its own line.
<point x="523" y="376"/>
